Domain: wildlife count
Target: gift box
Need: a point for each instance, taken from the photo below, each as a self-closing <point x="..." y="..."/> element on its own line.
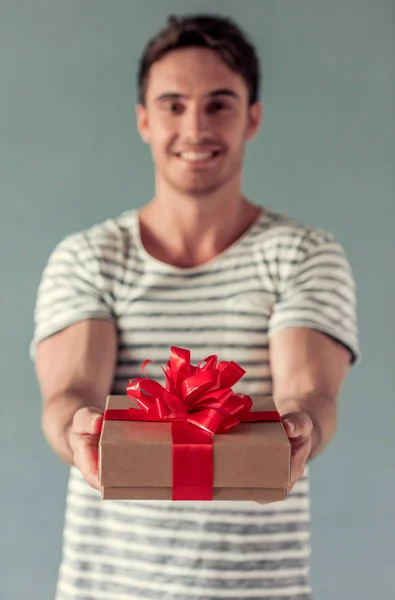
<point x="194" y="439"/>
<point x="250" y="461"/>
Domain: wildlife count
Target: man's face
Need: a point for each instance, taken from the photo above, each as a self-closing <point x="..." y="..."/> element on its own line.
<point x="197" y="120"/>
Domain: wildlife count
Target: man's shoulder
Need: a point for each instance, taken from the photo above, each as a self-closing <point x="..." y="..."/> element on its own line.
<point x="105" y="239"/>
<point x="282" y="231"/>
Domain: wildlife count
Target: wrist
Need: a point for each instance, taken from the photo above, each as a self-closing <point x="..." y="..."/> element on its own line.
<point x="322" y="410"/>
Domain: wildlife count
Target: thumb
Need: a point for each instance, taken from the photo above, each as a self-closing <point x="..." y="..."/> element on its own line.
<point x="297" y="425"/>
<point x="88" y="421"/>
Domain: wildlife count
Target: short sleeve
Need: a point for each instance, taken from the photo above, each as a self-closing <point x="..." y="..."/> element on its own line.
<point x="72" y="288"/>
<point x="318" y="291"/>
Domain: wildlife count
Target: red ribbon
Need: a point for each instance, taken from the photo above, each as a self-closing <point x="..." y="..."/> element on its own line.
<point x="199" y="402"/>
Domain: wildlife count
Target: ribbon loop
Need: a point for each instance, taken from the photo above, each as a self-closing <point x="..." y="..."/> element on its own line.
<point x="204" y="389"/>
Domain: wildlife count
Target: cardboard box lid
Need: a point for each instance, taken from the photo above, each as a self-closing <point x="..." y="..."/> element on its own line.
<point x="135" y="453"/>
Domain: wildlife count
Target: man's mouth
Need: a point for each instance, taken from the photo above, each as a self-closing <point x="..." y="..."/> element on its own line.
<point x="198" y="157"/>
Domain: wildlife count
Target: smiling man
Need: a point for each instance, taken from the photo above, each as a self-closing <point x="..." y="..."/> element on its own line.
<point x="198" y="266"/>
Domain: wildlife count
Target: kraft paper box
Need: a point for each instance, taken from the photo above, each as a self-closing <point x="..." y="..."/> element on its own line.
<point x="250" y="462"/>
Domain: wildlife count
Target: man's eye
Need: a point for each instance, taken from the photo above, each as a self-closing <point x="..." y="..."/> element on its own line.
<point x="174" y="107"/>
<point x="217" y="106"/>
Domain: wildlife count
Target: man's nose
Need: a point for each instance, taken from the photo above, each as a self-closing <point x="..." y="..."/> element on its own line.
<point x="196" y="123"/>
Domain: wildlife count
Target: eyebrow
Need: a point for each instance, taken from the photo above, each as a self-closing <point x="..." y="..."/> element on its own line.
<point x="213" y="94"/>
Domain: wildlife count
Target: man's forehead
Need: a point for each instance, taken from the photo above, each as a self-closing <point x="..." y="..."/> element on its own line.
<point x="188" y="85"/>
<point x="193" y="67"/>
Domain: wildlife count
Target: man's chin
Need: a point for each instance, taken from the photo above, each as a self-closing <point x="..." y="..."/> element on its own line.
<point x="199" y="186"/>
<point x="197" y="189"/>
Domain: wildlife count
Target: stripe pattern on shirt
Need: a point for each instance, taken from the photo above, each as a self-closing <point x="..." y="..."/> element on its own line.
<point x="278" y="274"/>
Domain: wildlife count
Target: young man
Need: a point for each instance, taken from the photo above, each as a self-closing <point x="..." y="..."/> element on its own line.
<point x="199" y="266"/>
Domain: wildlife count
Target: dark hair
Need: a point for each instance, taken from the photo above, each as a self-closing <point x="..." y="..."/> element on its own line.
<point x="220" y="34"/>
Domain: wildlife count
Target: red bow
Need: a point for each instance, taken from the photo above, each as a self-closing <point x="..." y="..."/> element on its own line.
<point x="200" y="395"/>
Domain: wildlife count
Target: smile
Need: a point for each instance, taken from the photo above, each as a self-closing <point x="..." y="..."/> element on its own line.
<point x="198" y="157"/>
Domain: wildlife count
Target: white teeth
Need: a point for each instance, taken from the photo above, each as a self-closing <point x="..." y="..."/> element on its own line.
<point x="195" y="156"/>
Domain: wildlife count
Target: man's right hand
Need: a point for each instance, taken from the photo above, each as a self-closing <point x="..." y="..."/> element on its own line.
<point x="83" y="438"/>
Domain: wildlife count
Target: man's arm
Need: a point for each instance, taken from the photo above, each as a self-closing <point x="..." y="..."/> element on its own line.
<point x="308" y="369"/>
<point x="75" y="370"/>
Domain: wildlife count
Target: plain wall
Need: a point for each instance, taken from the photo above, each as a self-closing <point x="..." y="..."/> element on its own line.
<point x="70" y="156"/>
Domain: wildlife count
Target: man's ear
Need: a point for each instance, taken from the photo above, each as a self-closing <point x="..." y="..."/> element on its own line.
<point x="255" y="118"/>
<point x="143" y="123"/>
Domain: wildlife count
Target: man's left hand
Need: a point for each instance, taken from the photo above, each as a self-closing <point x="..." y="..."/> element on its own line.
<point x="299" y="428"/>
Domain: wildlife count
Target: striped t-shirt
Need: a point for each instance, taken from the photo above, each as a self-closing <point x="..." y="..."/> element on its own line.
<point x="278" y="274"/>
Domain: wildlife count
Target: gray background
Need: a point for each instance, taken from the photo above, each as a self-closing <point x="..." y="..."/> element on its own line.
<point x="70" y="156"/>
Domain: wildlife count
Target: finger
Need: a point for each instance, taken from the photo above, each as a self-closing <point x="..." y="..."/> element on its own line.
<point x="298" y="424"/>
<point x="300" y="455"/>
<point x="301" y="449"/>
<point x="299" y="429"/>
<point x="87" y="421"/>
<point x="86" y="458"/>
<point x="84" y="440"/>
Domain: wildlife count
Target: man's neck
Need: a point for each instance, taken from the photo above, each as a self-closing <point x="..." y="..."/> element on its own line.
<point x="188" y="232"/>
